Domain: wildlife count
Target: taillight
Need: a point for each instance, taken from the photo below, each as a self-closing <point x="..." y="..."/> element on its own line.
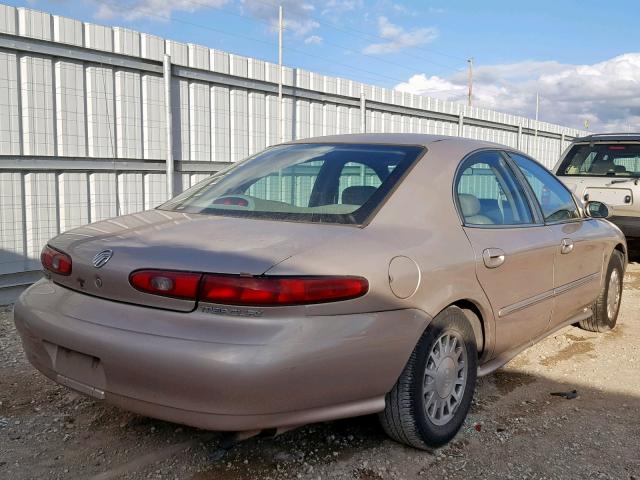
<point x="55" y="261"/>
<point x="248" y="291"/>
<point x="167" y="283"/>
<point x="276" y="291"/>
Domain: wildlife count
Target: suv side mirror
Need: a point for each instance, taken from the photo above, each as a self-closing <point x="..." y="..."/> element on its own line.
<point x="597" y="210"/>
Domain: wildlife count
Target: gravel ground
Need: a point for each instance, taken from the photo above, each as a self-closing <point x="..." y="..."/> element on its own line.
<point x="516" y="428"/>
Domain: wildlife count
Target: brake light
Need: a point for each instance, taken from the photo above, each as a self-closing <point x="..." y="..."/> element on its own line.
<point x="55" y="261"/>
<point x="278" y="291"/>
<point x="617" y="147"/>
<point x="182" y="285"/>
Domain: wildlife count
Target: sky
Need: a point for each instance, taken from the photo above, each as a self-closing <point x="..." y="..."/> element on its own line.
<point x="581" y="57"/>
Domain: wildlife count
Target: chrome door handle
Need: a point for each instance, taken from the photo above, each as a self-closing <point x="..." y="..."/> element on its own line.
<point x="566" y="245"/>
<point x="493" y="257"/>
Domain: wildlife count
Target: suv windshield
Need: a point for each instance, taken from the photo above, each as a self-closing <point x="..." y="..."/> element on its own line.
<point x="602" y="160"/>
<point x="334" y="183"/>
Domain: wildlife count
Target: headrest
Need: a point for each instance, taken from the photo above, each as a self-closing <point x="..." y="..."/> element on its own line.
<point x="469" y="204"/>
<point x="603" y="166"/>
<point x="357" y="194"/>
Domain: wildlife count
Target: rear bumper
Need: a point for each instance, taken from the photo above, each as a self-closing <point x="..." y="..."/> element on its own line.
<point x="630" y="226"/>
<point x="304" y="370"/>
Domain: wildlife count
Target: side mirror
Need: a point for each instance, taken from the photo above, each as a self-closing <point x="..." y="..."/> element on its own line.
<point x="597" y="210"/>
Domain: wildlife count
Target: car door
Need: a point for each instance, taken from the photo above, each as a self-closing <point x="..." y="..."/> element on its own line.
<point x="514" y="250"/>
<point x="579" y="247"/>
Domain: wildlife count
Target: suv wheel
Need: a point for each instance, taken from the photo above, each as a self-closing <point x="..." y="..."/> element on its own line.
<point x="607" y="306"/>
<point x="429" y="402"/>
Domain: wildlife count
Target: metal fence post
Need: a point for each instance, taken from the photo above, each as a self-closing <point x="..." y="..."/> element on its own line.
<point x="363" y="113"/>
<point x="519" y="144"/>
<point x="170" y="170"/>
<point x="461" y="124"/>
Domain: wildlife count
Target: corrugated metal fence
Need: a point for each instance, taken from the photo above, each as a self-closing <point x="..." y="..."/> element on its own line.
<point x="83" y="116"/>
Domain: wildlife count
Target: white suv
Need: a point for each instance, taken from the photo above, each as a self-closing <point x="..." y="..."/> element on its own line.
<point x="606" y="168"/>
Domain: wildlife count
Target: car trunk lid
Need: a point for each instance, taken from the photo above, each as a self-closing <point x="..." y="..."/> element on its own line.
<point x="177" y="241"/>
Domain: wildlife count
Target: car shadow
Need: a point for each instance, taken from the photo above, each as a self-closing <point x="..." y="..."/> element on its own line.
<point x="514" y="415"/>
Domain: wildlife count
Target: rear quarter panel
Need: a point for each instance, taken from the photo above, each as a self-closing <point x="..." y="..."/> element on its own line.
<point x="418" y="221"/>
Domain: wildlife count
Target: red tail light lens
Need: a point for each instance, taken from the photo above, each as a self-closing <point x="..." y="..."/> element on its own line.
<point x="55" y="261"/>
<point x="277" y="291"/>
<point x="167" y="283"/>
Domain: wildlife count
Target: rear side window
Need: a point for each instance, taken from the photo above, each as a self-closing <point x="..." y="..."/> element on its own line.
<point x="489" y="194"/>
<point x="329" y="183"/>
<point x="555" y="200"/>
<point x="602" y="160"/>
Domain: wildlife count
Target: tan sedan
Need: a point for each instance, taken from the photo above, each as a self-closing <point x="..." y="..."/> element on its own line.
<point x="322" y="279"/>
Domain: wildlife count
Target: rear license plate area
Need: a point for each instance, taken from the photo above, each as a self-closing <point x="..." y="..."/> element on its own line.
<point x="77" y="366"/>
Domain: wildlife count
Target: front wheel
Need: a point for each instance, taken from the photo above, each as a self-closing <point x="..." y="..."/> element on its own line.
<point x="431" y="399"/>
<point x="607" y="306"/>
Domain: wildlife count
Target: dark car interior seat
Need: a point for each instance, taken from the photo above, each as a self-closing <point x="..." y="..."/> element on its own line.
<point x="472" y="210"/>
<point x="491" y="208"/>
<point x="357" y="194"/>
<point x="602" y="167"/>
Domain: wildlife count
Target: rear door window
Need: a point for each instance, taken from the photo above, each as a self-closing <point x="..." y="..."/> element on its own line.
<point x="488" y="192"/>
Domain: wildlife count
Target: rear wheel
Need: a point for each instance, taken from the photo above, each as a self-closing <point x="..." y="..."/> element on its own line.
<point x="607" y="306"/>
<point x="431" y="399"/>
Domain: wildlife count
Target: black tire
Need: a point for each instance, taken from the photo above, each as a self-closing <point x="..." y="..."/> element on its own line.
<point x="601" y="320"/>
<point x="404" y="418"/>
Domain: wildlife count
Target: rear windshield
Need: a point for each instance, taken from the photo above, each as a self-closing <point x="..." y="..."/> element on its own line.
<point x="326" y="183"/>
<point x="602" y="160"/>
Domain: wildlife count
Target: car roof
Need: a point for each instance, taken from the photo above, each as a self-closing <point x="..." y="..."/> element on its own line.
<point x="609" y="137"/>
<point x="401" y="139"/>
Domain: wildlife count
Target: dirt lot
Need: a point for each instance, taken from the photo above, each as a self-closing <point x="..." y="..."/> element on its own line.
<point x="516" y="429"/>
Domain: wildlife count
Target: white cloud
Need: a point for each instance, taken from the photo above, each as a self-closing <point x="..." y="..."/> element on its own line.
<point x="605" y="93"/>
<point x="518" y="71"/>
<point x="400" y="8"/>
<point x="434" y="86"/>
<point x="397" y="38"/>
<point x="153" y="9"/>
<point x="313" y="40"/>
<point x="403" y="9"/>
<point x="333" y="7"/>
<point x="297" y="14"/>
